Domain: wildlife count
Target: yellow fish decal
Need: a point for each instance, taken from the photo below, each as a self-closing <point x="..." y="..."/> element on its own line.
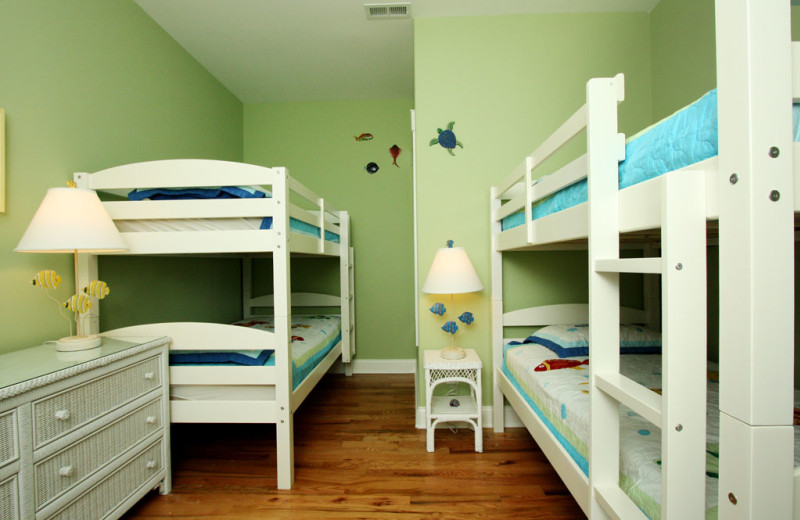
<point x="46" y="279"/>
<point x="79" y="303"/>
<point x="97" y="288"/>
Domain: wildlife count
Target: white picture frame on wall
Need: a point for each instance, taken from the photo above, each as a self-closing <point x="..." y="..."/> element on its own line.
<point x="2" y="161"/>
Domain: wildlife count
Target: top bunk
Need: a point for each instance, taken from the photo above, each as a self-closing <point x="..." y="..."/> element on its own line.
<point x="198" y="206"/>
<point x="535" y="211"/>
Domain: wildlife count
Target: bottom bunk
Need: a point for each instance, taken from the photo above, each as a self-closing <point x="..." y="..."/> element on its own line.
<point x="549" y="390"/>
<point x="237" y="373"/>
<point x="239" y="385"/>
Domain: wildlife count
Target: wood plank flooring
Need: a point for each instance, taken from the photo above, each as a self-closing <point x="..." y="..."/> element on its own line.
<point x="358" y="455"/>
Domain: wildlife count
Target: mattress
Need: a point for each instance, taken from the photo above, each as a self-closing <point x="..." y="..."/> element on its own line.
<point x="560" y="398"/>
<point x="686" y="137"/>
<point x="313" y="337"/>
<point x="220" y="224"/>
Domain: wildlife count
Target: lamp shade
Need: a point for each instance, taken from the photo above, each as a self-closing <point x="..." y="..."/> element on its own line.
<point x="69" y="220"/>
<point x="451" y="273"/>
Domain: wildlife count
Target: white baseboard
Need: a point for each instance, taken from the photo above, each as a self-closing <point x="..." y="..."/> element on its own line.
<point x="512" y="420"/>
<point x="378" y="366"/>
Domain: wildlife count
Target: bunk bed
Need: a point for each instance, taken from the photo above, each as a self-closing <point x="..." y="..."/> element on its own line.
<point x="744" y="195"/>
<point x="260" y="369"/>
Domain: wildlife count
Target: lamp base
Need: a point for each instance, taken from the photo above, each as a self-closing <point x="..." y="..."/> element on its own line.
<point x="77" y="343"/>
<point x="453" y="353"/>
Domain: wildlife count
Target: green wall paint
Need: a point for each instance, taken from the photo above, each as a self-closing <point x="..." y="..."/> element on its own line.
<point x="315" y="142"/>
<point x="684" y="60"/>
<point x="89" y="84"/>
<point x="507" y="82"/>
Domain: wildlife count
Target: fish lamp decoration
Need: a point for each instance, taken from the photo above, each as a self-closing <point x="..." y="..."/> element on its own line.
<point x="72" y="220"/>
<point x="452" y="273"/>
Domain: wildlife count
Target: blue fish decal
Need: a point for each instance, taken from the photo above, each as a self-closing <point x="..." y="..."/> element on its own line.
<point x="438" y="309"/>
<point x="466" y="318"/>
<point x="450" y="327"/>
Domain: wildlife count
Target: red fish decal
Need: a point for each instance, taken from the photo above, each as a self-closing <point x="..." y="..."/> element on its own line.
<point x="556" y="364"/>
<point x="363" y="137"/>
<point x="395" y="151"/>
<point x="298" y="338"/>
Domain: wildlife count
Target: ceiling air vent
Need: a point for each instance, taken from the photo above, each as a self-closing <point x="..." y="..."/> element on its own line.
<point x="391" y="11"/>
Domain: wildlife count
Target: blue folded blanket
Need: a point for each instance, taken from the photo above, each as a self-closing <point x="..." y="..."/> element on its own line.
<point x="222" y="192"/>
<point x="223" y="357"/>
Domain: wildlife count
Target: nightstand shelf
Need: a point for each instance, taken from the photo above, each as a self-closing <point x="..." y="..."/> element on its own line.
<point x="438" y="408"/>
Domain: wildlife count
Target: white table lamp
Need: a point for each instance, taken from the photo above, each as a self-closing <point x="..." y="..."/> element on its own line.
<point x="72" y="220"/>
<point x="452" y="273"/>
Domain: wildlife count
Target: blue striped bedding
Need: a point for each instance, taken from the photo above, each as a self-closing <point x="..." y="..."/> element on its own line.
<point x="320" y="333"/>
<point x="228" y="192"/>
<point x="686" y="137"/>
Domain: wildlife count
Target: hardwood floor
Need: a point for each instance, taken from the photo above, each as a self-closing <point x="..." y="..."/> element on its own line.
<point x="358" y="455"/>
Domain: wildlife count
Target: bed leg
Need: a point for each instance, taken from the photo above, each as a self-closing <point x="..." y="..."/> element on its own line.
<point x="285" y="438"/>
<point x="348" y="369"/>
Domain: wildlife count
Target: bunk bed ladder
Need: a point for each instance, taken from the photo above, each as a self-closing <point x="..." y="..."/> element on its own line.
<point x="677" y="412"/>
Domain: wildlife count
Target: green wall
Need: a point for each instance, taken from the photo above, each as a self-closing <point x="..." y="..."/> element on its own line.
<point x="507" y="82"/>
<point x="89" y="84"/>
<point x="315" y="141"/>
<point x="684" y="47"/>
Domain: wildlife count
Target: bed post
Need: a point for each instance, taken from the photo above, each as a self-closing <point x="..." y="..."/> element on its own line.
<point x="282" y="291"/>
<point x="346" y="291"/>
<point x="498" y="403"/>
<point x="87" y="269"/>
<point x="756" y="258"/>
<point x="603" y="164"/>
<point x="247" y="286"/>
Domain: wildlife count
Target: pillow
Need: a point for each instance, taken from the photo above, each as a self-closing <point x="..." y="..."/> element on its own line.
<point x="223" y="192"/>
<point x="573" y="340"/>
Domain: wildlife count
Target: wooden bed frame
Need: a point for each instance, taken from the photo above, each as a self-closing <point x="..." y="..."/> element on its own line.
<point x="749" y="191"/>
<point x="279" y="243"/>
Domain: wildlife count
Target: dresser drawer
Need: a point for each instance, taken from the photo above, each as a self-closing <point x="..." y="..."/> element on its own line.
<point x="58" y="414"/>
<point x="67" y="468"/>
<point x="9" y="507"/>
<point x="8" y="438"/>
<point x="116" y="488"/>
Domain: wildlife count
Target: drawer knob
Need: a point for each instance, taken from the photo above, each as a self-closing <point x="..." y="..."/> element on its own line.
<point x="151" y="464"/>
<point x="151" y="419"/>
<point x="62" y="415"/>
<point x="66" y="471"/>
<point x="149" y="375"/>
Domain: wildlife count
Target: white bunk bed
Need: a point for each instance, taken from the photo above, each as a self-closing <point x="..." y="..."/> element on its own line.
<point x="748" y="191"/>
<point x="266" y="394"/>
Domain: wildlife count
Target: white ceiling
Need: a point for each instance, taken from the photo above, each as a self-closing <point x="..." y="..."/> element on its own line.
<point x="320" y="50"/>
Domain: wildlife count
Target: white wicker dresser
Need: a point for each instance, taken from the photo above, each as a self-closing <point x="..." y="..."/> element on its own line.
<point x="83" y="435"/>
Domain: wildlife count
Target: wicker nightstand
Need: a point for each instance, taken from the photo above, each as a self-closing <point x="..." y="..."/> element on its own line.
<point x="439" y="408"/>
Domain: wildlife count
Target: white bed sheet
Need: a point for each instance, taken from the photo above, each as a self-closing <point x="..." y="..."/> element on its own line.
<point x="188" y="224"/>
